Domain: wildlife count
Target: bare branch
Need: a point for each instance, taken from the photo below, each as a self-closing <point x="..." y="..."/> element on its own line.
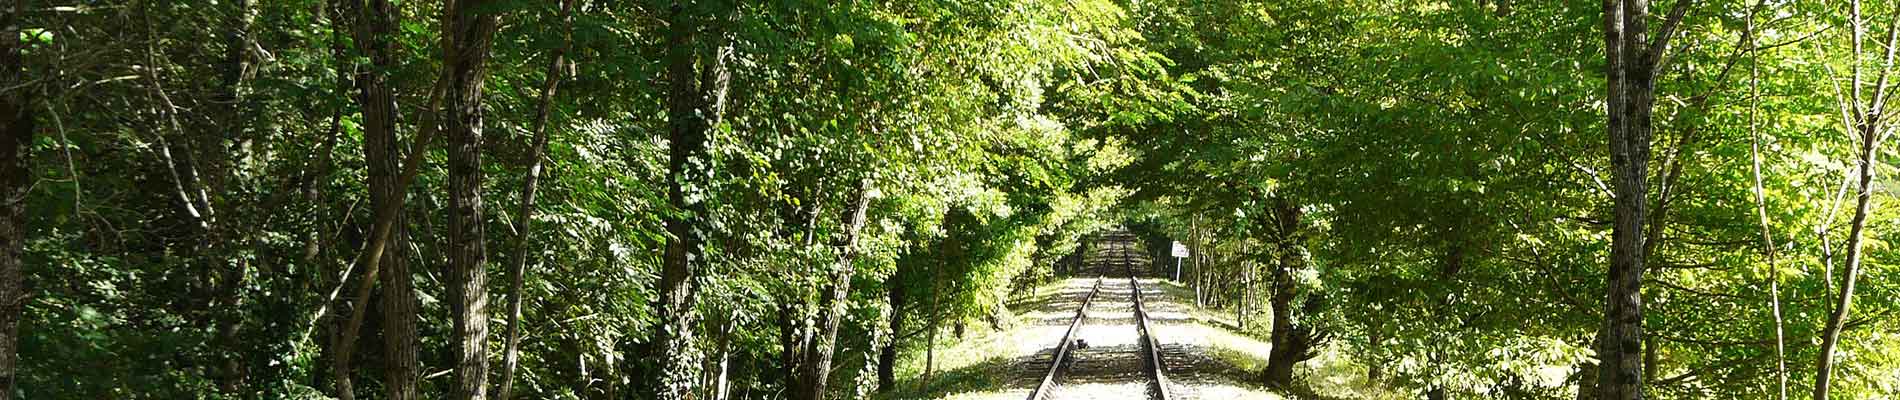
<point x="1659" y="44"/>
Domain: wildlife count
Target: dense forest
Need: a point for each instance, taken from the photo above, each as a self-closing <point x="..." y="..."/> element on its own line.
<point x="805" y="199"/>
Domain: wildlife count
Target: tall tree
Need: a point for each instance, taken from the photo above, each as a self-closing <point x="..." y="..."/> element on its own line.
<point x="468" y="31"/>
<point x="815" y="371"/>
<point x="1632" y="61"/>
<point x="1761" y="207"/>
<point x="340" y="16"/>
<point x="375" y="30"/>
<point x="1864" y="116"/>
<point x="686" y="152"/>
<point x="524" y="215"/>
<point x="16" y="133"/>
<point x="222" y="236"/>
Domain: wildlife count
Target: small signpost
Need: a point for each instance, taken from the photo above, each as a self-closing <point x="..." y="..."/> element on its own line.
<point x="1180" y="251"/>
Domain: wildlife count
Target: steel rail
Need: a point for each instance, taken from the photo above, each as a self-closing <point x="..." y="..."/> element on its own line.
<point x="1048" y="384"/>
<point x="1151" y="347"/>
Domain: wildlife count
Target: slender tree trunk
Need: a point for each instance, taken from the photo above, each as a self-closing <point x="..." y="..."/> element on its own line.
<point x="1632" y="61"/>
<point x="1870" y="135"/>
<point x="219" y="238"/>
<point x="372" y="83"/>
<point x="1244" y="287"/>
<point x="816" y="370"/>
<point x="946" y="250"/>
<point x="1872" y="129"/>
<point x="1761" y="210"/>
<point x="721" y="383"/>
<point x="524" y="215"/>
<point x="470" y="32"/>
<point x="936" y="301"/>
<point x="341" y="24"/>
<point x="1196" y="253"/>
<point x="16" y="134"/>
<point x="317" y="175"/>
<point x="686" y="142"/>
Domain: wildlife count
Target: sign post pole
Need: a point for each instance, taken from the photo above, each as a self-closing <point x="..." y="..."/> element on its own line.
<point x="1180" y="251"/>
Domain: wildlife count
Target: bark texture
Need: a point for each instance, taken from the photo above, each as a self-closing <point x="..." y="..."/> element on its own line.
<point x="16" y="132"/>
<point x="470" y="33"/>
<point x="1293" y="342"/>
<point x="382" y="153"/>
<point x="1632" y="60"/>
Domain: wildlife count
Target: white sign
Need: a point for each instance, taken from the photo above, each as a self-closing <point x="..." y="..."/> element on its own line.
<point x="1180" y="250"/>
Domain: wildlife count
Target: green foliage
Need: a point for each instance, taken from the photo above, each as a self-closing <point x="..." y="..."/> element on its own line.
<point x="1446" y="157"/>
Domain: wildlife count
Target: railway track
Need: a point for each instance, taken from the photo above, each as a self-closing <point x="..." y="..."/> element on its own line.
<point x="1114" y="366"/>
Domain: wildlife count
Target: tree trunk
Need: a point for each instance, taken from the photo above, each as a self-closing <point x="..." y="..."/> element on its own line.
<point x="1282" y="357"/>
<point x="887" y="355"/>
<point x="16" y="134"/>
<point x="338" y="13"/>
<point x="1761" y="211"/>
<point x="1292" y="343"/>
<point x="470" y="32"/>
<point x="401" y="364"/>
<point x="1245" y="287"/>
<point x="930" y="336"/>
<point x="524" y="216"/>
<point x="1631" y="63"/>
<point x="1869" y="125"/>
<point x="219" y="238"/>
<point x="380" y="149"/>
<point x="816" y="370"/>
<point x="1870" y="135"/>
<point x="342" y="18"/>
<point x="375" y="25"/>
<point x="686" y="140"/>
<point x="1195" y="252"/>
<point x="721" y="382"/>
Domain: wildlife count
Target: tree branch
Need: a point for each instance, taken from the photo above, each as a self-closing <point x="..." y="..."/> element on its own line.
<point x="1660" y="43"/>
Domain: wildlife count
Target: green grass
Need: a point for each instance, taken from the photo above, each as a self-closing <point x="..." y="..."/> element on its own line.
<point x="978" y="365"/>
<point x="1331" y="375"/>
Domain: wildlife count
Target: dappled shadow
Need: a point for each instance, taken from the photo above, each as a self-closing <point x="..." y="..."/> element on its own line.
<point x="977" y="377"/>
<point x="1196" y="364"/>
<point x="1100" y="364"/>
